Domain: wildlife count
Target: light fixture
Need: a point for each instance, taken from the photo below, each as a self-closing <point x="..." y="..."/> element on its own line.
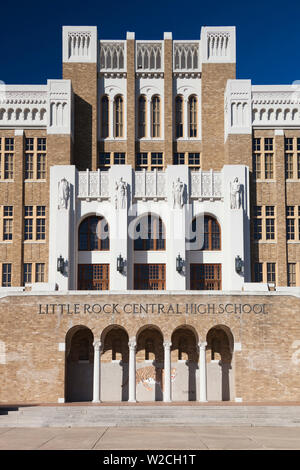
<point x="179" y="263"/>
<point x="120" y="264"/>
<point x="60" y="264"/>
<point x="238" y="264"/>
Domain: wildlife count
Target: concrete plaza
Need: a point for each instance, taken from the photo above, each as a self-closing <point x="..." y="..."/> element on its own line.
<point x="151" y="438"/>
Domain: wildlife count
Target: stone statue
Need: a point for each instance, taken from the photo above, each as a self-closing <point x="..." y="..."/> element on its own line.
<point x="63" y="194"/>
<point x="235" y="194"/>
<point x="177" y="193"/>
<point x="120" y="194"/>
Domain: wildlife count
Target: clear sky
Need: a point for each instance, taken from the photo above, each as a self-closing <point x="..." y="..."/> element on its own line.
<point x="268" y="32"/>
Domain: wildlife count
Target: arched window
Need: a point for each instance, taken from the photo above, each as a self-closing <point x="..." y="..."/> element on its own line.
<point x="104" y="117"/>
<point x="142" y="117"/>
<point x="93" y="234"/>
<point x="118" y="116"/>
<point x="179" y="116"/>
<point x="151" y="234"/>
<point x="209" y="230"/>
<point x="155" y="115"/>
<point x="192" y="112"/>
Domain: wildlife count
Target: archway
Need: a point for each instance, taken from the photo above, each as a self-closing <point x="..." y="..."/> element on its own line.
<point x="149" y="364"/>
<point x="220" y="380"/>
<point x="114" y="364"/>
<point x="184" y="363"/>
<point x="79" y="364"/>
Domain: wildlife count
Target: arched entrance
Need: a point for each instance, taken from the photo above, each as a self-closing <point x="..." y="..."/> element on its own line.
<point x="114" y="364"/>
<point x="79" y="364"/>
<point x="219" y="352"/>
<point x="184" y="364"/>
<point x="149" y="364"/>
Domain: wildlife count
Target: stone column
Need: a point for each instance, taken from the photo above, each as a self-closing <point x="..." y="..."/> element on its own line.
<point x="97" y="366"/>
<point x="167" y="368"/>
<point x="202" y="371"/>
<point x="132" y="367"/>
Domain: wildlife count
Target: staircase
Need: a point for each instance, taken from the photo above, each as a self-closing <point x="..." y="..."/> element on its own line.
<point x="139" y="415"/>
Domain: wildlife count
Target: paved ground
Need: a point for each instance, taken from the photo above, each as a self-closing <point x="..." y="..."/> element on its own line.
<point x="153" y="438"/>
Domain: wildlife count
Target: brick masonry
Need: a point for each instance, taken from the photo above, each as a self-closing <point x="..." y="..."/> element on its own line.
<point x="266" y="368"/>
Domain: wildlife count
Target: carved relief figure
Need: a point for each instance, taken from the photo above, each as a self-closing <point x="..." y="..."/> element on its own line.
<point x="235" y="194"/>
<point x="177" y="193"/>
<point x="120" y="194"/>
<point x="148" y="376"/>
<point x="63" y="194"/>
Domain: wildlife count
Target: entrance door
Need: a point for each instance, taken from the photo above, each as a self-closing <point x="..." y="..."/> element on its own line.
<point x="93" y="276"/>
<point x="206" y="277"/>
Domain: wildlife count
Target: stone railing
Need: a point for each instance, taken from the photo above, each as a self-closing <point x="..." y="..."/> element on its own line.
<point x="206" y="185"/>
<point x="93" y="184"/>
<point x="150" y="185"/>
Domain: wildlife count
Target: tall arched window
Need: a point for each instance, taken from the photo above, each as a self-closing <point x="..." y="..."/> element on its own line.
<point x="104" y="117"/>
<point x="192" y="112"/>
<point x="142" y="117"/>
<point x="209" y="230"/>
<point x="155" y="115"/>
<point x="179" y="116"/>
<point x="118" y="105"/>
<point x="150" y="233"/>
<point x="93" y="234"/>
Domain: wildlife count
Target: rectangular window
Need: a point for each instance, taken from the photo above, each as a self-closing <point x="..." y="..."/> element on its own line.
<point x="6" y="275"/>
<point x="178" y="159"/>
<point x="41" y="144"/>
<point x="269" y="167"/>
<point x="8" y="166"/>
<point x="40" y="229"/>
<point x="29" y="166"/>
<point x="270" y="222"/>
<point x="291" y="274"/>
<point x="149" y="276"/>
<point x="156" y="161"/>
<point x="93" y="276"/>
<point x="205" y="277"/>
<point x="28" y="229"/>
<point x="7" y="229"/>
<point x="256" y="144"/>
<point x="141" y="160"/>
<point x="35" y="158"/>
<point x="257" y="229"/>
<point x="119" y="158"/>
<point x="298" y="165"/>
<point x="194" y="159"/>
<point x="288" y="143"/>
<point x="289" y="171"/>
<point x="27" y="273"/>
<point x="258" y="272"/>
<point x="257" y="166"/>
<point x="35" y="223"/>
<point x="269" y="143"/>
<point x="29" y="144"/>
<point x="40" y="272"/>
<point x="7" y="223"/>
<point x="104" y="160"/>
<point x="271" y="272"/>
<point x="41" y="166"/>
<point x="9" y="144"/>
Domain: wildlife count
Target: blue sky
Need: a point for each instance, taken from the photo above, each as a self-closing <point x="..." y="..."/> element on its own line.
<point x="268" y="33"/>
